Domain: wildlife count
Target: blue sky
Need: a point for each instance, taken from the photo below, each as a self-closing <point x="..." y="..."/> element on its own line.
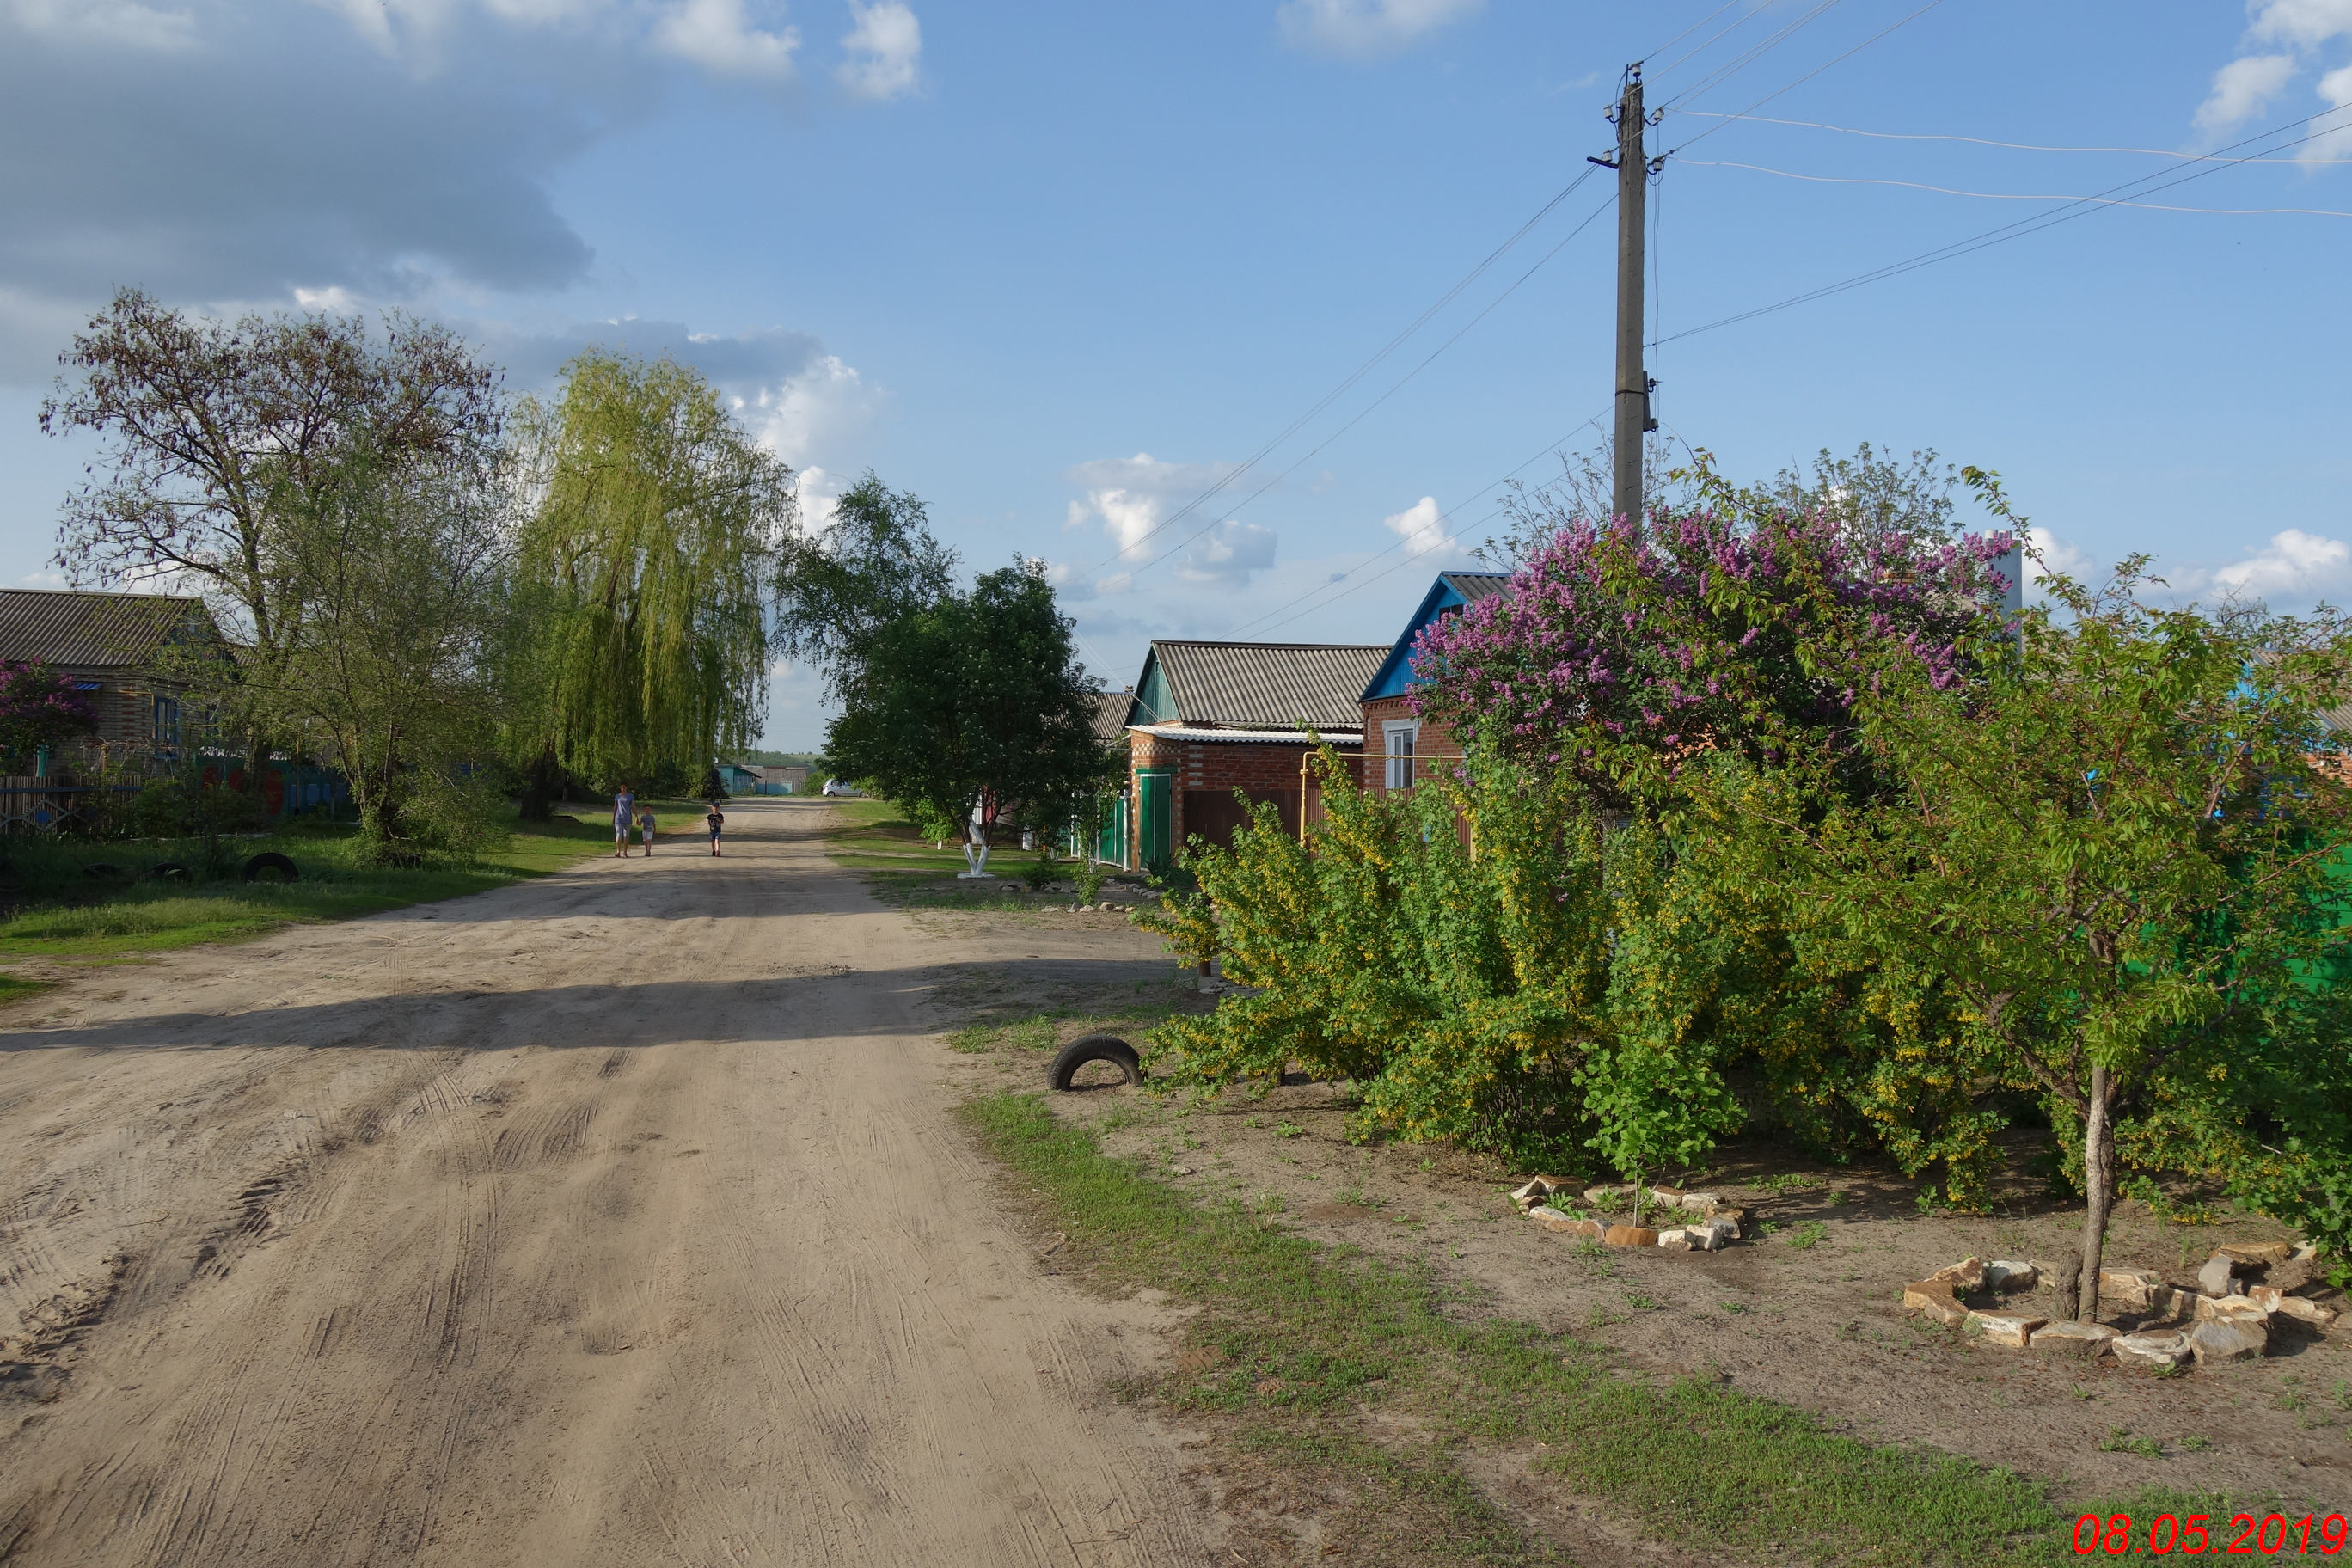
<point x="1057" y="269"/>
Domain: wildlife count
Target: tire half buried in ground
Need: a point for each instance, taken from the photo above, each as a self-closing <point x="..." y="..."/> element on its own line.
<point x="1089" y="1049"/>
<point x="271" y="866"/>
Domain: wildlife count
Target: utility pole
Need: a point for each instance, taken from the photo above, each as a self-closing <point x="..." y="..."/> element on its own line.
<point x="1633" y="166"/>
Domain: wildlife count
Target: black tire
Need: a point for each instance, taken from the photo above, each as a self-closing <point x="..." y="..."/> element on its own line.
<point x="1094" y="1048"/>
<point x="168" y="871"/>
<point x="272" y="861"/>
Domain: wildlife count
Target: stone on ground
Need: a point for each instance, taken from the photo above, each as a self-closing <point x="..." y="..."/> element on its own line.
<point x="2129" y="1286"/>
<point x="2228" y="1340"/>
<point x="2005" y="1274"/>
<point x="1934" y="1300"/>
<point x="2219" y="1277"/>
<point x="1630" y="1236"/>
<point x="2087" y="1341"/>
<point x="2165" y="1350"/>
<point x="2007" y="1329"/>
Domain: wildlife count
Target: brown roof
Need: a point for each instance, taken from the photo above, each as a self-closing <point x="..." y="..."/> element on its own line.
<point x="78" y="630"/>
<point x="1268" y="686"/>
<point x="1111" y="714"/>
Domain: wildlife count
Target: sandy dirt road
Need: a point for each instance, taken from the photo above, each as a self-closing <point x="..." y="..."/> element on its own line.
<point x="611" y="1218"/>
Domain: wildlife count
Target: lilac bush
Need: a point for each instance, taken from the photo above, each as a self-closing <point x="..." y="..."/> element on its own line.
<point x="1619" y="650"/>
<point x="39" y="706"/>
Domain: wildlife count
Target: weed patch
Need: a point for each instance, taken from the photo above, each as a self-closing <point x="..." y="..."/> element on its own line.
<point x="1293" y="1340"/>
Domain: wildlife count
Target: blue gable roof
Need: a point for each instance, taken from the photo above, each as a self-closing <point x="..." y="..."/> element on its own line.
<point x="1450" y="592"/>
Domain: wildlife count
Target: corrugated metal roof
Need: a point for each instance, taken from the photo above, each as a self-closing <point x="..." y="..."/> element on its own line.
<point x="1339" y="740"/>
<point x="74" y="629"/>
<point x="1475" y="585"/>
<point x="1111" y="714"/>
<point x="1267" y="686"/>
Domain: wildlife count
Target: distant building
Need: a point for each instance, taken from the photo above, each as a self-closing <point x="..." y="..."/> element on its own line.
<point x="1398" y="748"/>
<point x="116" y="649"/>
<point x="1209" y="718"/>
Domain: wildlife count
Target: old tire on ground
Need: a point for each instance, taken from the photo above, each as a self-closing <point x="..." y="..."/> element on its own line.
<point x="1094" y="1048"/>
<point x="276" y="867"/>
<point x="168" y="871"/>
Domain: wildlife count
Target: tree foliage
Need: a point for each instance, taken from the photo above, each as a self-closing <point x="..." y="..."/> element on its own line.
<point x="39" y="706"/>
<point x="217" y="435"/>
<point x="2115" y="846"/>
<point x="646" y="566"/>
<point x="975" y="704"/>
<point x="875" y="565"/>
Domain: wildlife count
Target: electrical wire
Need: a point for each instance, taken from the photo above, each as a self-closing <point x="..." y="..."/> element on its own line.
<point x="1394" y="388"/>
<point x="1808" y="76"/>
<point x="1548" y="448"/>
<point x="1694" y="27"/>
<point x="2022" y="226"/>
<point x="1750" y="55"/>
<point x="2012" y="146"/>
<point x="2020" y="196"/>
<point x="1362" y="370"/>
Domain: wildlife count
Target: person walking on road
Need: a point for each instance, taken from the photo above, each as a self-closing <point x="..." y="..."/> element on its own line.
<point x="646" y="821"/>
<point x="625" y="817"/>
<point x="714" y="822"/>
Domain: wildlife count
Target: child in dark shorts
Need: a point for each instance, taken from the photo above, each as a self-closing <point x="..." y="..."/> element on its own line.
<point x="716" y="820"/>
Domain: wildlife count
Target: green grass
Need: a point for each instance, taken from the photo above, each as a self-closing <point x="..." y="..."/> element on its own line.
<point x="1297" y="1338"/>
<point x="335" y="884"/>
<point x="874" y="838"/>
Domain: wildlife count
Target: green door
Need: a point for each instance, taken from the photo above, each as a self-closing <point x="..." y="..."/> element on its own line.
<point x="1154" y="810"/>
<point x="1110" y="829"/>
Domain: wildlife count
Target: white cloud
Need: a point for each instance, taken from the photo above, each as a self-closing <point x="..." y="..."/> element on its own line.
<point x="719" y="36"/>
<point x="2054" y="556"/>
<point x="2295" y="566"/>
<point x="813" y="413"/>
<point x="1420" y="525"/>
<point x="2243" y="88"/>
<point x="103" y="22"/>
<point x="1361" y="28"/>
<point x="2281" y="38"/>
<point x="886" y="51"/>
<point x="1228" y="553"/>
<point x="2307" y="23"/>
<point x="44" y="579"/>
<point x="797" y="709"/>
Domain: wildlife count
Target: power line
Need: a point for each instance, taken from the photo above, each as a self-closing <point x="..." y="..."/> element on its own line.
<point x="1397" y="386"/>
<point x="1808" y="76"/>
<point x="1699" y="48"/>
<point x="1357" y="374"/>
<point x="2020" y="229"/>
<point x="2020" y="196"/>
<point x="1750" y="55"/>
<point x="1548" y="448"/>
<point x="2012" y="146"/>
<point x="1694" y="27"/>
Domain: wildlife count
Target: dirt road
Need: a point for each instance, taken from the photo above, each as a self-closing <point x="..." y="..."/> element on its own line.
<point x="612" y="1218"/>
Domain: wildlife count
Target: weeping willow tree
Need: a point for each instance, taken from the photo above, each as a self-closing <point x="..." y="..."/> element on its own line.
<point x="646" y="565"/>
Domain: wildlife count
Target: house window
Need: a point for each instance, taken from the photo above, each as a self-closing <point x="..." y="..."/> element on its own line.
<point x="1399" y="738"/>
<point x="167" y="721"/>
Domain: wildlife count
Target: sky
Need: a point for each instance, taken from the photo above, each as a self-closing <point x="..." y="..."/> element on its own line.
<point x="1096" y="281"/>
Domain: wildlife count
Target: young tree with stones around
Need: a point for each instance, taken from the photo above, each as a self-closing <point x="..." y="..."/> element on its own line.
<point x="215" y="434"/>
<point x="2114" y="843"/>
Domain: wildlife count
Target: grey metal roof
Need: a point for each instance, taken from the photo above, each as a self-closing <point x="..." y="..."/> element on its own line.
<point x="77" y="630"/>
<point x="1475" y="585"/>
<point x="1268" y="686"/>
<point x="1111" y="714"/>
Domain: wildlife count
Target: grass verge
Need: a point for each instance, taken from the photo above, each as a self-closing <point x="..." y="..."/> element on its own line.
<point x="335" y="884"/>
<point x="1295" y="1338"/>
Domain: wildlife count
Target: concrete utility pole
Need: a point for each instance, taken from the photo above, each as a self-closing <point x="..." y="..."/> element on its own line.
<point x="1633" y="166"/>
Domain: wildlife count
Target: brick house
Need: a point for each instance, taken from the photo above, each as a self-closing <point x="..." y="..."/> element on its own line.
<point x="114" y="647"/>
<point x="1395" y="743"/>
<point x="1209" y="718"/>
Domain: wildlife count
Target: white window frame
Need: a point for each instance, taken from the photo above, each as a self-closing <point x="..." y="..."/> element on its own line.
<point x="1398" y="740"/>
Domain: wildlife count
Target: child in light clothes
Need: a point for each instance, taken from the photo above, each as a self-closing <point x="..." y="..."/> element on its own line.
<point x="646" y="822"/>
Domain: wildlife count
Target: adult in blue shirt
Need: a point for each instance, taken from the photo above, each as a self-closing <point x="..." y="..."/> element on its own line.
<point x="624" y="815"/>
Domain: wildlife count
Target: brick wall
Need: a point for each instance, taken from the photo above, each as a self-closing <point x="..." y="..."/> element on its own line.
<point x="1430" y="747"/>
<point x="1209" y="771"/>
